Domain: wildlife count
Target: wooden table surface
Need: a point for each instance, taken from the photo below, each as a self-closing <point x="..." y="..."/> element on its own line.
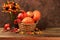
<point x="15" y="36"/>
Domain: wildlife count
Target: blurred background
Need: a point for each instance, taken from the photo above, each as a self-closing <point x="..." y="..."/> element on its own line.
<point x="50" y="10"/>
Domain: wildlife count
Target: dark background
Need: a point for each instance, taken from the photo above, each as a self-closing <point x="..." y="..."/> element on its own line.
<point x="50" y="10"/>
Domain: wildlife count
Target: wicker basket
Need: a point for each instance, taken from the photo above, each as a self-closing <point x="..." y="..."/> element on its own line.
<point x="27" y="27"/>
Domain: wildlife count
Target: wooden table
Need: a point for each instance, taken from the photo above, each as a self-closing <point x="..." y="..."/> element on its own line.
<point x="14" y="36"/>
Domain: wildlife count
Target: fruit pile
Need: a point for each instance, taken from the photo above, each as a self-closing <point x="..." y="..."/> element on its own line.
<point x="28" y="17"/>
<point x="29" y="20"/>
<point x="22" y="16"/>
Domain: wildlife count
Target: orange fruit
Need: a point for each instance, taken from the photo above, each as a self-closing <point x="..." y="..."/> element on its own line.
<point x="29" y="13"/>
<point x="28" y="20"/>
<point x="37" y="15"/>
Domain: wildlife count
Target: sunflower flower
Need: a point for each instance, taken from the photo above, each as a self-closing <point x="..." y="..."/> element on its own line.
<point x="11" y="7"/>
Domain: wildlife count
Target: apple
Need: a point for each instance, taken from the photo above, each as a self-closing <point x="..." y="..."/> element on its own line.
<point x="37" y="15"/>
<point x="15" y="21"/>
<point x="20" y="16"/>
<point x="29" y="13"/>
<point x="18" y="20"/>
<point x="15" y="30"/>
<point x="7" y="26"/>
<point x="28" y="20"/>
<point x="24" y="15"/>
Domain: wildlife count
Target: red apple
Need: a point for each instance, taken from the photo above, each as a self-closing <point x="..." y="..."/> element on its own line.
<point x="20" y="16"/>
<point x="24" y="15"/>
<point x="7" y="26"/>
<point x="37" y="15"/>
<point x="15" y="21"/>
<point x="15" y="30"/>
<point x="18" y="20"/>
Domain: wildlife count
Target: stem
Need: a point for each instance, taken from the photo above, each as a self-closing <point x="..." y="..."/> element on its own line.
<point x="12" y="19"/>
<point x="11" y="16"/>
